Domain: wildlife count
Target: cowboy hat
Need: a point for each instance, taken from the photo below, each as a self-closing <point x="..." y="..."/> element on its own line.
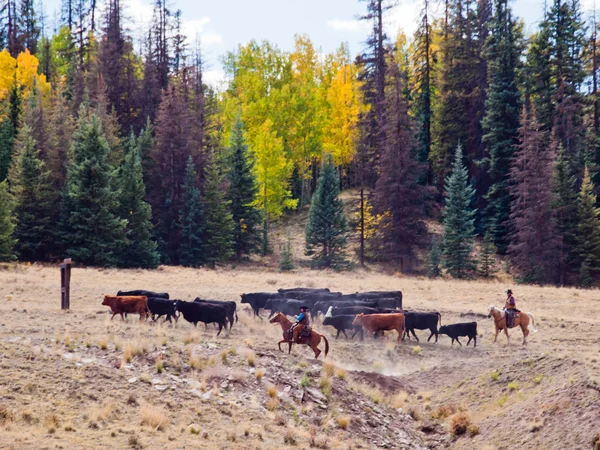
<point x="509" y="291"/>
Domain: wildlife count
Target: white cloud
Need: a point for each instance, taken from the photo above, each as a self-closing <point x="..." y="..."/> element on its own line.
<point x="351" y="25"/>
<point x="197" y="29"/>
<point x="404" y="17"/>
<point x="214" y="78"/>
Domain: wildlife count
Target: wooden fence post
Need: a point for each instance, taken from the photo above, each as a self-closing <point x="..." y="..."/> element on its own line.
<point x="65" y="284"/>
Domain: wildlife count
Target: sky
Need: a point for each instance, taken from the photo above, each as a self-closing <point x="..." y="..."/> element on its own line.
<point x="222" y="25"/>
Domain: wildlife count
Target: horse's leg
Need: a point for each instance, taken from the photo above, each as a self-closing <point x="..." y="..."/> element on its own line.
<point x="290" y="347"/>
<point x="280" y="342"/>
<point x="497" y="332"/>
<point x="525" y="330"/>
<point x="507" y="336"/>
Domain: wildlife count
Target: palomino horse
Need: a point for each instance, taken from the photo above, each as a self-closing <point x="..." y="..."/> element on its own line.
<point x="520" y="321"/>
<point x="312" y="341"/>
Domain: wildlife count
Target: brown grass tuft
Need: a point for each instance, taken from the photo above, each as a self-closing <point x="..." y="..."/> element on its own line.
<point x="259" y="374"/>
<point x="272" y="403"/>
<point x="460" y="423"/>
<point x="328" y="369"/>
<point x="343" y="422"/>
<point x="272" y="391"/>
<point x="399" y="400"/>
<point x="102" y="413"/>
<point x="154" y="417"/>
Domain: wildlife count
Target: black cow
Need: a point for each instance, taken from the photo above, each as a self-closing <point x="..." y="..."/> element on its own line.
<point x="287" y="306"/>
<point x="389" y="303"/>
<point x="143" y="293"/>
<point x="374" y="295"/>
<point x="343" y="323"/>
<point x="354" y="310"/>
<point x="231" y="308"/>
<point x="323" y="307"/>
<point x="257" y="300"/>
<point x="314" y="296"/>
<point x="460" y="329"/>
<point x="422" y="321"/>
<point x="195" y="312"/>
<point x="301" y="289"/>
<point x="162" y="307"/>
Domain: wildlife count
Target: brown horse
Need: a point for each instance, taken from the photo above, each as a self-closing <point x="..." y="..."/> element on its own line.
<point x="520" y="321"/>
<point x="312" y="341"/>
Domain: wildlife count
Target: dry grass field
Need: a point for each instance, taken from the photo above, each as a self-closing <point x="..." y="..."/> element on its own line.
<point x="76" y="380"/>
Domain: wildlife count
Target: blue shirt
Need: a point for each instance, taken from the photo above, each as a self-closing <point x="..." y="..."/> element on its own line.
<point x="300" y="316"/>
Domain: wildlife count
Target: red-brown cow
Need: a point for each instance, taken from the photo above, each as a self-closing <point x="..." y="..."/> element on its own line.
<point x="381" y="322"/>
<point x="130" y="304"/>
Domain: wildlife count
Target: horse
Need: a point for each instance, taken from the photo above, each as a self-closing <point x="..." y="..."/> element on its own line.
<point x="522" y="320"/>
<point x="312" y="341"/>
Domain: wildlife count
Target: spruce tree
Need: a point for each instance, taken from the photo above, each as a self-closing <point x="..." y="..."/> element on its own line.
<point x="534" y="249"/>
<point x="241" y="193"/>
<point x="435" y="257"/>
<point x="91" y="230"/>
<point x="6" y="146"/>
<point x="399" y="199"/>
<point x="326" y="231"/>
<point x="487" y="258"/>
<point x="218" y="243"/>
<point x="286" y="259"/>
<point x="139" y="249"/>
<point x="587" y="244"/>
<point x="193" y="224"/>
<point x="458" y="218"/>
<point x="565" y="208"/>
<point x="7" y="223"/>
<point x="500" y="124"/>
<point x="35" y="201"/>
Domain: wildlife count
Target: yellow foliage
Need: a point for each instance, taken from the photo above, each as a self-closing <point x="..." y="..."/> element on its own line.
<point x="23" y="71"/>
<point x="372" y="221"/>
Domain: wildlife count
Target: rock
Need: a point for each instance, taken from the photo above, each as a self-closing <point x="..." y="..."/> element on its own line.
<point x="176" y="379"/>
<point x="316" y="395"/>
<point x="161" y="387"/>
<point x="212" y="345"/>
<point x="287" y="389"/>
<point x="207" y="395"/>
<point x="132" y="380"/>
<point x="196" y="392"/>
<point x="225" y="384"/>
<point x="157" y="381"/>
<point x="372" y="423"/>
<point x="322" y="406"/>
<point x="299" y="396"/>
<point x="220" y="402"/>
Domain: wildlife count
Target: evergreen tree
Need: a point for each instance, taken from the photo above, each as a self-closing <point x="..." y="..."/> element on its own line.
<point x="398" y="198"/>
<point x="62" y="124"/>
<point x="587" y="245"/>
<point x="286" y="259"/>
<point x="7" y="224"/>
<point x="501" y="121"/>
<point x="92" y="232"/>
<point x="218" y="243"/>
<point x="534" y="249"/>
<point x="326" y="231"/>
<point x="29" y="27"/>
<point x="435" y="257"/>
<point x="9" y="128"/>
<point x="488" y="256"/>
<point x="193" y="222"/>
<point x="139" y="249"/>
<point x="35" y="201"/>
<point x="241" y="193"/>
<point x="565" y="207"/>
<point x="458" y="218"/>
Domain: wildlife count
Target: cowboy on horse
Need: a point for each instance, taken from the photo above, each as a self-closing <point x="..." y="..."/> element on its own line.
<point x="510" y="309"/>
<point x="301" y="327"/>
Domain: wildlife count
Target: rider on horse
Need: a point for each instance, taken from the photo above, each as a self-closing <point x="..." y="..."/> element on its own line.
<point x="510" y="309"/>
<point x="302" y="323"/>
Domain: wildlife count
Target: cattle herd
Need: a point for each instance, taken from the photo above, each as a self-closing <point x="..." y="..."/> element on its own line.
<point x="373" y="311"/>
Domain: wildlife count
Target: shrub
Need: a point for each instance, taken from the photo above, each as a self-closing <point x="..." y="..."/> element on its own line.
<point x="251" y="358"/>
<point x="289" y="438"/>
<point x="495" y="375"/>
<point x="272" y="403"/>
<point x="343" y="422"/>
<point x="513" y="386"/>
<point x="460" y="423"/>
<point x="538" y="378"/>
<point x="259" y="374"/>
<point x="325" y="385"/>
<point x="272" y="391"/>
<point x="328" y="368"/>
<point x="103" y="343"/>
<point x="341" y="374"/>
<point x="153" y="417"/>
<point x="159" y="365"/>
<point x="305" y="381"/>
<point x="502" y="400"/>
<point x="417" y="350"/>
<point x="398" y="400"/>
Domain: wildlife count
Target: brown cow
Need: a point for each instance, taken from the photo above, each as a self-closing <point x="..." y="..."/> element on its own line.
<point x="127" y="304"/>
<point x="380" y="322"/>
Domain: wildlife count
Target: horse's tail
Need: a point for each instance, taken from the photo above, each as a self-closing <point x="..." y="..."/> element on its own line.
<point x="534" y="329"/>
<point x="326" y="344"/>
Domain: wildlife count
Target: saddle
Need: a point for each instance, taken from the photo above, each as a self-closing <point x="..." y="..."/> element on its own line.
<point x="305" y="332"/>
<point x="511" y="316"/>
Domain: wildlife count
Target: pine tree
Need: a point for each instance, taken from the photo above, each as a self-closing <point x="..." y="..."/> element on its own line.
<point x="534" y="249"/>
<point x="286" y="259"/>
<point x="587" y="244"/>
<point x="565" y="207"/>
<point x="193" y="221"/>
<point x="398" y="198"/>
<point x="501" y="121"/>
<point x="35" y="201"/>
<point x="487" y="258"/>
<point x="435" y="257"/>
<point x="29" y="27"/>
<point x="326" y="231"/>
<point x="7" y="223"/>
<point x="62" y="124"/>
<point x="218" y="243"/>
<point x="92" y="232"/>
<point x="140" y="248"/>
<point x="241" y="193"/>
<point x="9" y="126"/>
<point x="458" y="218"/>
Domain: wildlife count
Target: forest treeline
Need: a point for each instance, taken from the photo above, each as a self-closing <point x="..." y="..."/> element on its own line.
<point x="118" y="154"/>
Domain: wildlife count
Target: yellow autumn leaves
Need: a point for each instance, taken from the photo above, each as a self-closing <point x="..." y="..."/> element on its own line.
<point x="22" y="70"/>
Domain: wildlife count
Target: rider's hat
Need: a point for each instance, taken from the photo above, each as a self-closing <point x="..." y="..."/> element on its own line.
<point x="509" y="292"/>
<point x="304" y="307"/>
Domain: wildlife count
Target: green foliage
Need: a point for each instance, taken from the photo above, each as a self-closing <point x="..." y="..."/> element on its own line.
<point x="587" y="246"/>
<point x="6" y="146"/>
<point x="326" y="231"/>
<point x="487" y="258"/>
<point x="35" y="201"/>
<point x="218" y="244"/>
<point x="286" y="259"/>
<point x="7" y="223"/>
<point x="458" y="218"/>
<point x="91" y="230"/>
<point x="241" y="193"/>
<point x="435" y="257"/>
<point x="139" y="249"/>
<point x="191" y="250"/>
